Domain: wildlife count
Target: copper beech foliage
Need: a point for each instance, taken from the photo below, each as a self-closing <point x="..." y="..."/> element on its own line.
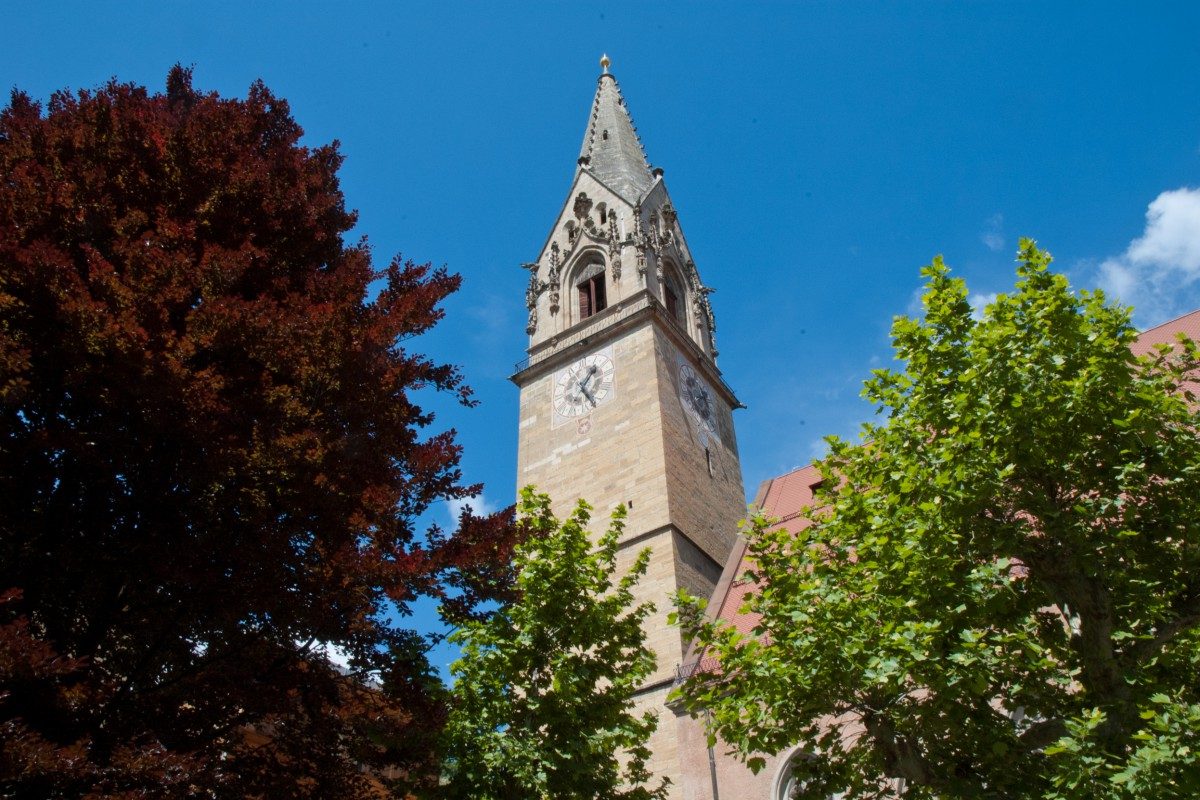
<point x="211" y="461"/>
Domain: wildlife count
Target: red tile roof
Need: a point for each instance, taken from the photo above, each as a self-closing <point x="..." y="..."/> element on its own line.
<point x="1188" y="324"/>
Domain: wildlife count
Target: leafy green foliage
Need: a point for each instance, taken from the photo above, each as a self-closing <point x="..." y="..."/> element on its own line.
<point x="999" y="593"/>
<point x="542" y="704"/>
<point x="211" y="460"/>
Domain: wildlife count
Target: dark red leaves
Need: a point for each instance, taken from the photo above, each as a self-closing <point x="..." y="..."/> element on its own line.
<point x="209" y="458"/>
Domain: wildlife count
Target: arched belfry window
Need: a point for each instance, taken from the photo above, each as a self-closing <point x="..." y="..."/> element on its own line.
<point x="590" y="290"/>
<point x="673" y="297"/>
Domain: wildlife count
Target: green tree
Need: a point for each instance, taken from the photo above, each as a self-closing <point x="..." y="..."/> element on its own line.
<point x="543" y="698"/>
<point x="999" y="594"/>
<point x="211" y="460"/>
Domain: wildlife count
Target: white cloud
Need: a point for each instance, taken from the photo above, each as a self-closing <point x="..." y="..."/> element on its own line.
<point x="492" y="317"/>
<point x="915" y="308"/>
<point x="993" y="233"/>
<point x="978" y="300"/>
<point x="336" y="655"/>
<point x="1158" y="267"/>
<point x="479" y="504"/>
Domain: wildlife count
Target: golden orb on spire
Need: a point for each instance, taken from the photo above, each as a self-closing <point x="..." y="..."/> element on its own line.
<point x="604" y="62"/>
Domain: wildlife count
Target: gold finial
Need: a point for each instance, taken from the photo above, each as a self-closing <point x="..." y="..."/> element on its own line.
<point x="604" y="62"/>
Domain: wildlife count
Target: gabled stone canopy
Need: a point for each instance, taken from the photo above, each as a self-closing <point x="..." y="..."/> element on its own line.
<point x="611" y="148"/>
<point x="618" y="215"/>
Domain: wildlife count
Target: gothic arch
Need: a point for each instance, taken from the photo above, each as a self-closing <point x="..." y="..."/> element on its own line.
<point x="586" y="285"/>
<point x="675" y="293"/>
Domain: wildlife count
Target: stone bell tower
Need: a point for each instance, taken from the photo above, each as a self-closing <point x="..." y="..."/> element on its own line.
<point x="621" y="398"/>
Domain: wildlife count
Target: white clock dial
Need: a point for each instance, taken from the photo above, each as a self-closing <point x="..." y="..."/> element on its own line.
<point x="697" y="398"/>
<point x="583" y="385"/>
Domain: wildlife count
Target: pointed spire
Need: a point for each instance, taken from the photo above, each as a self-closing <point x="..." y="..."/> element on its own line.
<point x="611" y="148"/>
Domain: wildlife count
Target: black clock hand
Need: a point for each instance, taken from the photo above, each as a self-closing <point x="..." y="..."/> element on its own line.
<point x="584" y="382"/>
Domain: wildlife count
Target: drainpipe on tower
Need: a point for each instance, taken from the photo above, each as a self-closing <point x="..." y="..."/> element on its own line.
<point x="712" y="758"/>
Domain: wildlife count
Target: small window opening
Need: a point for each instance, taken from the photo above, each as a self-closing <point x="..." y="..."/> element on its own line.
<point x="708" y="461"/>
<point x="591" y="296"/>
<point x="671" y="300"/>
<point x="603" y="215"/>
<point x="604" y="136"/>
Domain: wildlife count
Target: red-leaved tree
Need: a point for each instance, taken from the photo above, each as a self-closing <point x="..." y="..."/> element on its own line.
<point x="210" y="461"/>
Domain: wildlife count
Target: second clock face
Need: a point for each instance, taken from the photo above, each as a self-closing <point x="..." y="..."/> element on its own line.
<point x="583" y="385"/>
<point x="697" y="398"/>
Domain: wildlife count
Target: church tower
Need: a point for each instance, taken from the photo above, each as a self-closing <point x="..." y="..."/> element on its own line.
<point x="621" y="398"/>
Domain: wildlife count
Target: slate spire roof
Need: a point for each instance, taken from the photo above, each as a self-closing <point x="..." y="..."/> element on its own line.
<point x="611" y="148"/>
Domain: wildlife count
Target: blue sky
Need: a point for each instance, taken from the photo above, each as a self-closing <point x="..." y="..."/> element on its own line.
<point x="818" y="155"/>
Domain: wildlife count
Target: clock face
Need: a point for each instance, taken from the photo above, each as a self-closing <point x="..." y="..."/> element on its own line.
<point x="697" y="398"/>
<point x="583" y="385"/>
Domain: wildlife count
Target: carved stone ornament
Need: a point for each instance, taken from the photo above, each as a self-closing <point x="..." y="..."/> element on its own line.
<point x="693" y="279"/>
<point x="700" y="295"/>
<point x="705" y="309"/>
<point x="657" y="249"/>
<point x="532" y="292"/>
<point x="583" y="205"/>
<point x="703" y="306"/>
<point x="552" y="283"/>
<point x="667" y="229"/>
<point x="639" y="243"/>
<point x="614" y="247"/>
<point x="535" y="288"/>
